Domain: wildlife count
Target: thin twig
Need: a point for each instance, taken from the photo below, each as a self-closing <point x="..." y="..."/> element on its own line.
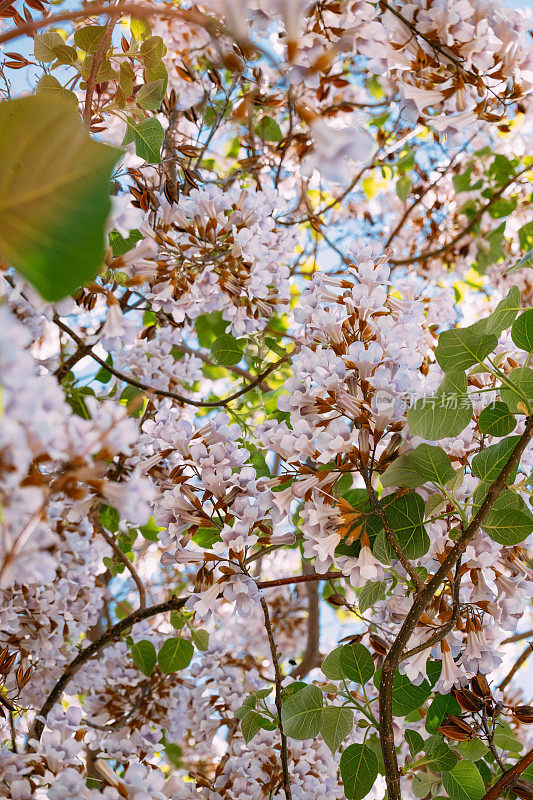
<point x="97" y="62"/>
<point x="111" y="635"/>
<point x="520" y="661"/>
<point x="99" y="528"/>
<point x="279" y="678"/>
<point x="163" y="392"/>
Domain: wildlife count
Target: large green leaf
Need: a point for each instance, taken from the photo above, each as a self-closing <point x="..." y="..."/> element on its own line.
<point x="440" y="757"/>
<point x="496" y="420"/>
<point x="522" y="331"/>
<point x="406" y="697"/>
<point x="337" y="722"/>
<point x="357" y="663"/>
<point x="464" y="782"/>
<point x="175" y="654"/>
<point x="301" y="714"/>
<point x="508" y="526"/>
<point x="460" y="348"/>
<point x="359" y="770"/>
<point x="443" y="414"/>
<point x="406" y="517"/>
<point x="54" y="194"/>
<point x="488" y="464"/>
<point x="426" y="463"/>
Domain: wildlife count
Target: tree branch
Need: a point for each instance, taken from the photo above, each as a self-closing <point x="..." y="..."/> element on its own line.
<point x="111" y="635"/>
<point x="507" y="779"/>
<point x="97" y="62"/>
<point x="278" y="678"/>
<point x="391" y="536"/>
<point x="520" y="661"/>
<point x="163" y="392"/>
<point x="420" y="603"/>
<point x="99" y="528"/>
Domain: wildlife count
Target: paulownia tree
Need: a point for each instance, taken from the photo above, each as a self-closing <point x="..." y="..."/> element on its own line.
<point x="266" y="400"/>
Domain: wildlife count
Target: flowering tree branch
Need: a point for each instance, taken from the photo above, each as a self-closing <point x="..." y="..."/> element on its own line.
<point x="163" y="392"/>
<point x="420" y="603"/>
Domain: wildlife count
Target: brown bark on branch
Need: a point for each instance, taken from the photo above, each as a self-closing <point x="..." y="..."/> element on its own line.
<point x="507" y="779"/>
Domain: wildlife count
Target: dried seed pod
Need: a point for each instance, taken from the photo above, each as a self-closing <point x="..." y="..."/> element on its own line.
<point x="524" y="714"/>
<point x="523" y="789"/>
<point x="456" y="728"/>
<point x="479" y="686"/>
<point x="379" y="644"/>
<point x="467" y="699"/>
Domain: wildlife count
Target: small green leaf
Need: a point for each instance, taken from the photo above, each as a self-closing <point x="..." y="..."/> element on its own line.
<point x="44" y="44"/>
<point x="200" y="638"/>
<point x="464" y="782"/>
<point x="403" y="188"/>
<point x="126" y="78"/>
<point x="48" y="84"/>
<point x="496" y="420"/>
<point x="370" y="594"/>
<point x="140" y="28"/>
<point x="522" y="331"/>
<point x="252" y="722"/>
<point x="144" y="656"/>
<point x="152" y="51"/>
<point x="175" y="654"/>
<point x="359" y="770"/>
<point x="148" y="136"/>
<point x="522" y="377"/>
<point x="426" y="463"/>
<point x="472" y="750"/>
<point x="414" y="741"/>
<point x="66" y="54"/>
<point x="331" y="666"/>
<point x="109" y="517"/>
<point x="269" y="130"/>
<point x="406" y="517"/>
<point x="441" y="705"/>
<point x="88" y="38"/>
<point x="226" y="350"/>
<point x="151" y="95"/>
<point x="357" y="663"/>
<point x="301" y="714"/>
<point x="248" y="704"/>
<point x="337" y="723"/>
<point x="440" y="757"/>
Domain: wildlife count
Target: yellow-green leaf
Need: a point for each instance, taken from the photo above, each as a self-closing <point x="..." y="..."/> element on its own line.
<point x="54" y="194"/>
